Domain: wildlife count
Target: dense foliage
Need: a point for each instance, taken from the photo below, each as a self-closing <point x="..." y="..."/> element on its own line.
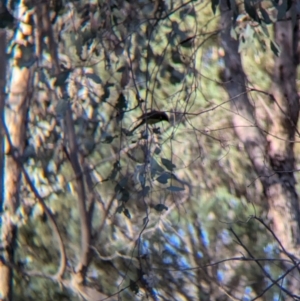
<point x="174" y="211"/>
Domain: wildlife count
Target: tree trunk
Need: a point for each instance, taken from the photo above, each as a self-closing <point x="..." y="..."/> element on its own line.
<point x="15" y="122"/>
<point x="284" y="203"/>
<point x="272" y="157"/>
<point x="5" y="273"/>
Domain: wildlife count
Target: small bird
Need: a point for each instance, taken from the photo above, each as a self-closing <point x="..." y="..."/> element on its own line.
<point x="151" y="118"/>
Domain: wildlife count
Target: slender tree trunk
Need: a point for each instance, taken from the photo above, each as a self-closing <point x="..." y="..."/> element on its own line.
<point x="3" y="63"/>
<point x="5" y="273"/>
<point x="272" y="157"/>
<point x="15" y="118"/>
<point x="284" y="203"/>
<point x="15" y="121"/>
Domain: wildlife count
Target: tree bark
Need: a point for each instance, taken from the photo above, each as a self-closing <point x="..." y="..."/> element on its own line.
<point x="284" y="203"/>
<point x="15" y="119"/>
<point x="5" y="273"/>
<point x="272" y="157"/>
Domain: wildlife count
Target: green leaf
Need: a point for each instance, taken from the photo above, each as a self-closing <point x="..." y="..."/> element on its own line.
<point x="176" y="57"/>
<point x="142" y="179"/>
<point x="234" y="9"/>
<point x="265" y="16"/>
<point x="157" y="150"/>
<point x="121" y="69"/>
<point x="124" y="196"/>
<point x="251" y="11"/>
<point x="214" y="5"/>
<point x="114" y="172"/>
<point x="106" y="94"/>
<point x="175" y="188"/>
<point x="121" y="184"/>
<point x="109" y="139"/>
<point x="127" y="213"/>
<point x="61" y="78"/>
<point x="282" y="10"/>
<point x="163" y="179"/>
<point x="133" y="286"/>
<point x="122" y="102"/>
<point x="155" y="167"/>
<point x="121" y="191"/>
<point x="120" y="209"/>
<point x="160" y="207"/>
<point x="121" y="106"/>
<point x="188" y="42"/>
<point x="138" y="153"/>
<point x="176" y="76"/>
<point x="94" y="77"/>
<point x="275" y="48"/>
<point x="144" y="192"/>
<point x="168" y="164"/>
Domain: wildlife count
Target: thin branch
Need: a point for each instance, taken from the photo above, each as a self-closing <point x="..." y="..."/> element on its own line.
<point x="274" y="282"/>
<point x="81" y="200"/>
<point x="16" y="157"/>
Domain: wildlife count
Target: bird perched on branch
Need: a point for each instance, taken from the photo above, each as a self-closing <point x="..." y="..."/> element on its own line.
<point x="151" y="118"/>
